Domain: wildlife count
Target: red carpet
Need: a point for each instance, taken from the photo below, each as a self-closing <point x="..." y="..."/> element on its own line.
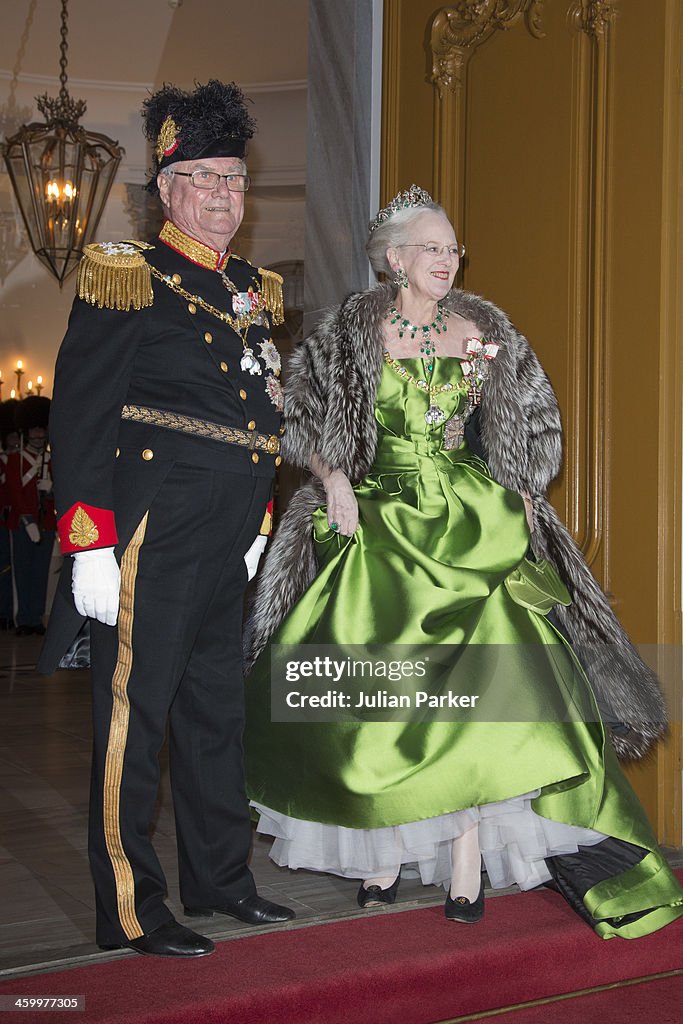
<point x="405" y="968"/>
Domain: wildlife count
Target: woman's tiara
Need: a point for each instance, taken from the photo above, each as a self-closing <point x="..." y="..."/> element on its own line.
<point x="412" y="197"/>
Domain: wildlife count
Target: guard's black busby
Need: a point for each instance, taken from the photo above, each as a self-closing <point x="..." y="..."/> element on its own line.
<point x="32" y="411"/>
<point x="7" y="419"/>
<point x="213" y="120"/>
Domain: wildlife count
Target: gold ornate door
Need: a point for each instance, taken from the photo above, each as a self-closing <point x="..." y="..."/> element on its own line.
<point x="550" y="130"/>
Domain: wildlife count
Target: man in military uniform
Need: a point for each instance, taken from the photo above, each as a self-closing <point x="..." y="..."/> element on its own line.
<point x="165" y="432"/>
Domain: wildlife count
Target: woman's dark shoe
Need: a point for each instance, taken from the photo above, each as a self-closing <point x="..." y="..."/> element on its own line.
<point x="373" y="896"/>
<point x="460" y="908"/>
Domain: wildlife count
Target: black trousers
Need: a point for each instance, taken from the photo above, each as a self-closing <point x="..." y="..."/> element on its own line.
<point x="174" y="657"/>
<point x="31" y="572"/>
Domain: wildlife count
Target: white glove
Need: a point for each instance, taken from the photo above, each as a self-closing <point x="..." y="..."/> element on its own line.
<point x="342" y="507"/>
<point x="33" y="532"/>
<point x="95" y="584"/>
<point x="253" y="555"/>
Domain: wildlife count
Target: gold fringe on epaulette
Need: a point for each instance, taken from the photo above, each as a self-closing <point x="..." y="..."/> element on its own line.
<point x="114" y="280"/>
<point x="271" y="289"/>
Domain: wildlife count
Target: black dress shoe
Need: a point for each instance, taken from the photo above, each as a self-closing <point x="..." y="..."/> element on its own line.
<point x="374" y="896"/>
<point x="461" y="909"/>
<point x="250" y="909"/>
<point x="24" y="630"/>
<point x="169" y="939"/>
<point x="38" y="629"/>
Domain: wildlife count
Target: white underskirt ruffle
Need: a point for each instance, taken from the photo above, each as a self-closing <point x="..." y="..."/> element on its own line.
<point x="514" y="841"/>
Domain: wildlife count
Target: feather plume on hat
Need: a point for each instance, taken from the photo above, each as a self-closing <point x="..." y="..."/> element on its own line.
<point x="213" y="120"/>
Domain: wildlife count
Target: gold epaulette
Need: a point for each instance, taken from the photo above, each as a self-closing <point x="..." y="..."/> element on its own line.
<point x="115" y="275"/>
<point x="271" y="289"/>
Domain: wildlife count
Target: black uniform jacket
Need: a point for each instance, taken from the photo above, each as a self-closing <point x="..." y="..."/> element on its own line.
<point x="174" y="356"/>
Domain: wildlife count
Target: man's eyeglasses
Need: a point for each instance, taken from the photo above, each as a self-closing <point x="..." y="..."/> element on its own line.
<point x="456" y="251"/>
<point x="211" y="180"/>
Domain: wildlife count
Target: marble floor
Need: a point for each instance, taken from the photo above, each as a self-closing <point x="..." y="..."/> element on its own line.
<point x="45" y="888"/>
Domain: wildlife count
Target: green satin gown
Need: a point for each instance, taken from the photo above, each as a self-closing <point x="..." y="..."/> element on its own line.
<point x="439" y="558"/>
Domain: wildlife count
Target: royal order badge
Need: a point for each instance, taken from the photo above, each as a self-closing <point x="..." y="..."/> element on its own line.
<point x="245" y="302"/>
<point x="275" y="392"/>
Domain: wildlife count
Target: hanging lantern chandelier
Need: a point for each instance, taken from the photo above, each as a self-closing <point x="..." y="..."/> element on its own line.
<point x="61" y="175"/>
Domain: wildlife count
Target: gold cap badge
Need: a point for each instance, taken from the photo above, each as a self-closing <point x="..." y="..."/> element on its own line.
<point x="168" y="139"/>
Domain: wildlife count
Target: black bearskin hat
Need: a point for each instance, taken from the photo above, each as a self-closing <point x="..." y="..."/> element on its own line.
<point x="7" y="419"/>
<point x="211" y="121"/>
<point x="32" y="411"/>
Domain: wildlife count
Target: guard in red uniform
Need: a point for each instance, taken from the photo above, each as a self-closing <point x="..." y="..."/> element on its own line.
<point x="165" y="431"/>
<point x="9" y="442"/>
<point x="32" y="513"/>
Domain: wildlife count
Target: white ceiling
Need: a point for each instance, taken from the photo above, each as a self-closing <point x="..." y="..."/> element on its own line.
<point x="152" y="41"/>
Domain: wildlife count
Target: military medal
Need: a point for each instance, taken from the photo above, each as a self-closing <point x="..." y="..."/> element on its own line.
<point x="475" y="368"/>
<point x="244" y="302"/>
<point x="249" y="363"/>
<point x="275" y="392"/>
<point x="249" y="309"/>
<point x="271" y="356"/>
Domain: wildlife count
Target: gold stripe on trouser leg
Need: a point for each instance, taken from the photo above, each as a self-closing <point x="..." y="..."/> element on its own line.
<point x="118" y="735"/>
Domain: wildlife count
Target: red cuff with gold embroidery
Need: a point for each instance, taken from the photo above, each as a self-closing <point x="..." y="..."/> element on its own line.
<point x="267" y="524"/>
<point x="84" y="527"/>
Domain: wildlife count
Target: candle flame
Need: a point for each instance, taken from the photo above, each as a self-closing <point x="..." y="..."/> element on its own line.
<point x="54" y="192"/>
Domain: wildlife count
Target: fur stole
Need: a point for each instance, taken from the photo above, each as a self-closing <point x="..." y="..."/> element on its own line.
<point x="329" y="408"/>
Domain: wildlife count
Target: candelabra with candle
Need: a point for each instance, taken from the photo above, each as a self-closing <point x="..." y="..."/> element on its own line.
<point x="19" y="370"/>
<point x="39" y="384"/>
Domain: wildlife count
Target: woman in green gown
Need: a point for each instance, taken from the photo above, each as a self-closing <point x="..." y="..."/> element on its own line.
<point x="430" y="551"/>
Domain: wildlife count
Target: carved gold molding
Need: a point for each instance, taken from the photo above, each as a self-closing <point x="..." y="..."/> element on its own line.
<point x="669" y="450"/>
<point x="457" y="30"/>
<point x="456" y="33"/>
<point x="593" y="16"/>
<point x="588" y="446"/>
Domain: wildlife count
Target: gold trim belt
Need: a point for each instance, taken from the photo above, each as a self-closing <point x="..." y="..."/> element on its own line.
<point x="201" y="428"/>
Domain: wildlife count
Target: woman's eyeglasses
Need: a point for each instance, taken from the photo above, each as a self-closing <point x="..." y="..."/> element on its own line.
<point x="456" y="251"/>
